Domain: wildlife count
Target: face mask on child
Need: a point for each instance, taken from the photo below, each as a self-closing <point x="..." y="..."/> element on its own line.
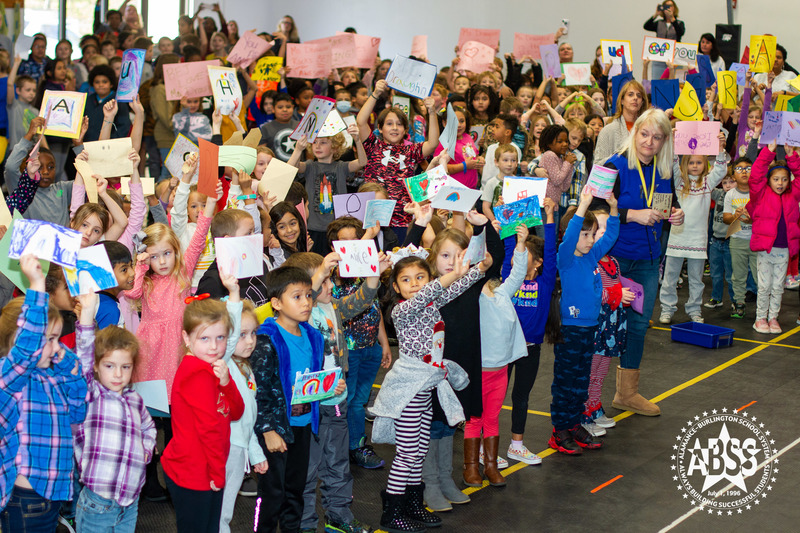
<point x="343" y="106"/>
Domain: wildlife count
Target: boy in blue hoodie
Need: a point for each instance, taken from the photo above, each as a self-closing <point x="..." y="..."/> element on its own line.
<point x="581" y="296"/>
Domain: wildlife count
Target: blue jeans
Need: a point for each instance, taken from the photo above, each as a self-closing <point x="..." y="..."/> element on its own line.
<point x="27" y="512"/>
<point x="719" y="262"/>
<point x="164" y="175"/>
<point x="362" y="370"/>
<point x="96" y="514"/>
<point x="644" y="272"/>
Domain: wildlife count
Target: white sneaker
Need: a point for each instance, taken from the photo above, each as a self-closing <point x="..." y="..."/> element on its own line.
<point x="502" y="464"/>
<point x="594" y="430"/>
<point x="604" y="422"/>
<point x="665" y="318"/>
<point x="697" y="318"/>
<point x="524" y="455"/>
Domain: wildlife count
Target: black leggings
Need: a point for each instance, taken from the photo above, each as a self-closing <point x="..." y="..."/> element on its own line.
<point x="527" y="368"/>
<point x="196" y="511"/>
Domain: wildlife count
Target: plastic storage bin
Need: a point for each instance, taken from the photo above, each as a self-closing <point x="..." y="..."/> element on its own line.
<point x="704" y="335"/>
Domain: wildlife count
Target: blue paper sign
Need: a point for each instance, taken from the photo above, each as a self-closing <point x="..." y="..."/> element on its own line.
<point x="512" y="215"/>
<point x="704" y="66"/>
<point x="617" y="82"/>
<point x="697" y="81"/>
<point x="664" y="93"/>
<point x="741" y="73"/>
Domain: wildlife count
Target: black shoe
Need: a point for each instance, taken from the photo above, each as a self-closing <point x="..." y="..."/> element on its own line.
<point x="584" y="439"/>
<point x="393" y="520"/>
<point x="152" y="490"/>
<point x="415" y="507"/>
<point x="249" y="487"/>
<point x="368" y="415"/>
<point x="563" y="442"/>
<point x="365" y="457"/>
<point x="334" y="525"/>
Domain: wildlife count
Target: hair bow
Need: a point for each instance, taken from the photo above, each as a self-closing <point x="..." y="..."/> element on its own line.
<point x="196" y="298"/>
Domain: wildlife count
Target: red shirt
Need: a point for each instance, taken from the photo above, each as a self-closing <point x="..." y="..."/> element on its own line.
<point x="202" y="412"/>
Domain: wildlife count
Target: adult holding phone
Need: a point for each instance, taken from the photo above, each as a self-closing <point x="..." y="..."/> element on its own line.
<point x="667" y="26"/>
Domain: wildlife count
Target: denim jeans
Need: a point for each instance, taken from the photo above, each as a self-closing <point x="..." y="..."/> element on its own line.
<point x="719" y="262"/>
<point x="96" y="514"/>
<point x="27" y="512"/>
<point x="362" y="370"/>
<point x="164" y="175"/>
<point x="644" y="272"/>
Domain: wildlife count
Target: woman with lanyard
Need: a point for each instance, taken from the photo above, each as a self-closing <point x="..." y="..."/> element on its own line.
<point x="645" y="174"/>
<point x="631" y="103"/>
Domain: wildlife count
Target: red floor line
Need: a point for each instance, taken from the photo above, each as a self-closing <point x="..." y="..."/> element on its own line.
<point x="742" y="408"/>
<point x="606" y="484"/>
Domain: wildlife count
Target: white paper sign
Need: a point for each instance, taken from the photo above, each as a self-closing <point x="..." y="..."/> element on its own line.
<point x="657" y="49"/>
<point x="277" y="179"/>
<point x="22" y="47"/>
<point x="378" y="211"/>
<point x="241" y="256"/>
<point x="577" y="73"/>
<point x="459" y="199"/>
<point x="92" y="273"/>
<point x="177" y="155"/>
<point x="333" y="125"/>
<point x="449" y="134"/>
<point x="359" y="258"/>
<point x="515" y="189"/>
<point x="148" y="186"/>
<point x="109" y="158"/>
<point x="314" y="119"/>
<point x="154" y="394"/>
<point x="414" y="78"/>
<point x="476" y="250"/>
<point x="685" y="54"/>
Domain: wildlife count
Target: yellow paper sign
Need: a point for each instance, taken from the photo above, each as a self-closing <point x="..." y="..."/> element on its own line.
<point x="782" y="103"/>
<point x="762" y="52"/>
<point x="85" y="170"/>
<point x="727" y="89"/>
<point x="795" y="83"/>
<point x="267" y="69"/>
<point x="688" y="105"/>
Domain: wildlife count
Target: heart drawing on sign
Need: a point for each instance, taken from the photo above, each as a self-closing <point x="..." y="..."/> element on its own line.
<point x="424" y="184"/>
<point x="327" y="383"/>
<point x="376" y="41"/>
<point x="347" y="267"/>
<point x="369" y="251"/>
<point x="575" y="72"/>
<point x="342" y="249"/>
<point x="471" y="52"/>
<point x="374" y="269"/>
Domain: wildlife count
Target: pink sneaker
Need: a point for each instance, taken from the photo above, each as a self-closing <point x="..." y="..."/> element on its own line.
<point x="761" y="325"/>
<point x="774" y="327"/>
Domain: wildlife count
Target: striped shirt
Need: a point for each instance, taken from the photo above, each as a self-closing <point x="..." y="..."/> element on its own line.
<point x="116" y="441"/>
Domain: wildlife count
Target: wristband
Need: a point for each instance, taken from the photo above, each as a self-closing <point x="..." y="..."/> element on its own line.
<point x="247" y="197"/>
<point x="465" y="166"/>
<point x="373" y="96"/>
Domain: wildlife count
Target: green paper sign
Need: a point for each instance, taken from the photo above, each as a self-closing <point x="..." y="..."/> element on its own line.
<point x="10" y="267"/>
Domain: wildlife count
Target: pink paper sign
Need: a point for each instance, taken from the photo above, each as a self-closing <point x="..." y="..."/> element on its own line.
<point x="487" y="37"/>
<point x="528" y="45"/>
<point x="342" y="49"/>
<point x="308" y="60"/>
<point x="366" y="50"/>
<point x="694" y="137"/>
<point x="247" y="49"/>
<point x="476" y="57"/>
<point x="638" y="293"/>
<point x="188" y="79"/>
<point x="551" y="63"/>
<point x="419" y="46"/>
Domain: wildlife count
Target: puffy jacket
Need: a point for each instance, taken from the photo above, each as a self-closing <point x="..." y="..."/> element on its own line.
<point x="765" y="206"/>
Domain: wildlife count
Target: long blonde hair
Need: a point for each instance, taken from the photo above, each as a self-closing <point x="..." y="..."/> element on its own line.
<point x="657" y="118"/>
<point x="686" y="180"/>
<point x="633" y="84"/>
<point x="155" y="233"/>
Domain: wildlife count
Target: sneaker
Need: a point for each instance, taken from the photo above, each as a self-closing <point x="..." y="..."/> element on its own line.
<point x="369" y="416"/>
<point x="738" y="311"/>
<point x="774" y="327"/>
<point x="524" y="455"/>
<point x="665" y="318"/>
<point x="712" y="304"/>
<point x="249" y="487"/>
<point x="792" y="282"/>
<point x="584" y="439"/>
<point x="594" y="430"/>
<point x="707" y="270"/>
<point x="502" y="464"/>
<point x="680" y="282"/>
<point x="365" y="456"/>
<point x="761" y="325"/>
<point x="697" y="318"/>
<point x="66" y="524"/>
<point x="563" y="442"/>
<point x="604" y="422"/>
<point x="334" y="525"/>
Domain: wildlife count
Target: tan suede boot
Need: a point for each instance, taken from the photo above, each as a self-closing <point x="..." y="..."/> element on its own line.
<point x="472" y="473"/>
<point x="628" y="398"/>
<point x="490" y="470"/>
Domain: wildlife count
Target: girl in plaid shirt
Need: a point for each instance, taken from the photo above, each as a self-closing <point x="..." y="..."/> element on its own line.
<point x="41" y="377"/>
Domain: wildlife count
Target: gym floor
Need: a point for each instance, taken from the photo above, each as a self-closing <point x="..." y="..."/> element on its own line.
<point x="631" y="483"/>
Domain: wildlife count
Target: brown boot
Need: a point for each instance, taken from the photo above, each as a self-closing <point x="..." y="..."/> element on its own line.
<point x="490" y="470"/>
<point x="472" y="473"/>
<point x="628" y="398"/>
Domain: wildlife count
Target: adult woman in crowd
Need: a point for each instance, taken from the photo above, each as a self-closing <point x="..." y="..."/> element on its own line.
<point x="631" y="103"/>
<point x="708" y="46"/>
<point x="667" y="26"/>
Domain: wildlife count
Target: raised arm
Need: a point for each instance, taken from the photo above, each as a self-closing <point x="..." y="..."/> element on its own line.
<point x="119" y="216"/>
<point x="361" y="161"/>
<point x="11" y="93"/>
<point x="110" y="109"/>
<point x="430" y="144"/>
<point x="366" y="110"/>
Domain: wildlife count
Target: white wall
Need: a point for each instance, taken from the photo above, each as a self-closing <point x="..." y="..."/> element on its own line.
<point x="590" y="21"/>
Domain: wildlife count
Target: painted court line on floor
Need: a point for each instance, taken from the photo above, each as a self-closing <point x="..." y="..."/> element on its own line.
<point x="606" y="484"/>
<point x="742" y="408"/>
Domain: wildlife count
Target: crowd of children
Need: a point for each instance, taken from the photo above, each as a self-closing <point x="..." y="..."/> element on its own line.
<point x="77" y="442"/>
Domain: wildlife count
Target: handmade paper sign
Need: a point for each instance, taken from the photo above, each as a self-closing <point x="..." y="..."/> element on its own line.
<point x="601" y="180"/>
<point x="662" y="202"/>
<point x="242" y="257"/>
<point x="476" y="132"/>
<point x="727" y="89"/>
<point x="475" y="57"/>
<point x="704" y="66"/>
<point x="617" y="83"/>
<point x="277" y="179"/>
<point x="226" y="89"/>
<point x="379" y="211"/>
<point x="22" y="46"/>
<point x="45" y="240"/>
<point x="577" y="73"/>
<point x="188" y="79"/>
<point x="64" y="110"/>
<point x="522" y="188"/>
<point x="688" y="106"/>
<point x="741" y="72"/>
<point x="366" y="49"/>
<point x="425" y="186"/>
<point x="419" y="46"/>
<point x="513" y="214"/>
<point x="762" y="52"/>
<point x="309" y="61"/>
<point x="359" y="258"/>
<point x="685" y="54"/>
<point x="795" y="82"/>
<point x="734" y="227"/>
<point x="154" y="394"/>
<point x="209" y="164"/>
<point x="638" y="293"/>
<point x="109" y="158"/>
<point x="487" y="37"/>
<point x="476" y="251"/>
<point x="697" y="138"/>
<point x="130" y="74"/>
<point x="665" y="93"/>
<point x="782" y="102"/>
<point x="459" y="199"/>
<point x="414" y="78"/>
<point x="315" y="386"/>
<point x="353" y="204"/>
<point x="529" y="45"/>
<point x="89" y="183"/>
<point x="448" y="137"/>
<point x="342" y="47"/>
<point x="698" y="83"/>
<point x="792" y="105"/>
<point x="177" y="155"/>
<point x="314" y="119"/>
<point x="241" y="158"/>
<point x="267" y="69"/>
<point x="148" y="186"/>
<point x="92" y="273"/>
<point x="551" y="63"/>
<point x="404" y="103"/>
<point x="333" y="125"/>
<point x="5" y="212"/>
<point x="781" y="127"/>
<point x="657" y="49"/>
<point x="10" y="267"/>
<point x="247" y="49"/>
<point x="614" y="51"/>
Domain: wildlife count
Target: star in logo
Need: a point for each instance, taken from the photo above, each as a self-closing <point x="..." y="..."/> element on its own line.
<point x="721" y="459"/>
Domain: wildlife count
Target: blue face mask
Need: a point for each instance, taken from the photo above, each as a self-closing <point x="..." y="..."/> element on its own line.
<point x="343" y="106"/>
